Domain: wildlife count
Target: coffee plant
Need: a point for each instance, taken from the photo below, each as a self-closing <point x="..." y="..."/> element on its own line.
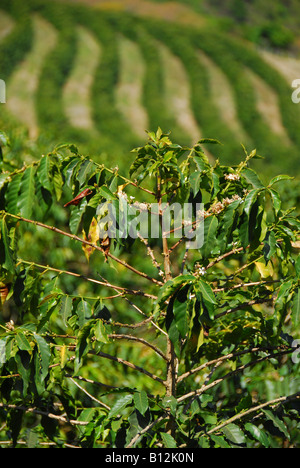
<point x="125" y="324"/>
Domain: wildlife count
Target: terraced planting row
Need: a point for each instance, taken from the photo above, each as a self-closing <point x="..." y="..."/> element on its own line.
<point x="101" y="78"/>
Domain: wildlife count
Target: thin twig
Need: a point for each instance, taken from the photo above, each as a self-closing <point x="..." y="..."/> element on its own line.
<point x="243" y="306"/>
<point x="89" y="395"/>
<point x="101" y="283"/>
<point x="140" y="340"/>
<point x="146" y="429"/>
<point x="45" y="413"/>
<point x="85" y="242"/>
<point x="281" y="400"/>
<point x="232" y="373"/>
<point x="128" y="364"/>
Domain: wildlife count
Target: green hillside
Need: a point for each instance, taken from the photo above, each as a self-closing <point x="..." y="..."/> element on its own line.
<point x="100" y="73"/>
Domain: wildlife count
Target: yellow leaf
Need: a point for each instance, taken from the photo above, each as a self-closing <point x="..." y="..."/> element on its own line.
<point x="93" y="237"/>
<point x="265" y="271"/>
<point x="63" y="356"/>
<point x="200" y="339"/>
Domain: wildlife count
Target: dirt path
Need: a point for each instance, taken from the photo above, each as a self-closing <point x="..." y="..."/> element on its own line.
<point x="169" y="11"/>
<point x="178" y="93"/>
<point x="268" y="106"/>
<point x="288" y="67"/>
<point x="6" y="24"/>
<point x="223" y="96"/>
<point x="76" y="93"/>
<point x="129" y="91"/>
<point x="24" y="81"/>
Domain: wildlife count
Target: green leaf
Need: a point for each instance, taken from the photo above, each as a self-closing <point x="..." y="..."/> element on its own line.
<point x="85" y="172"/>
<point x="277" y="422"/>
<point x="180" y="316"/>
<point x="211" y="141"/>
<point x="276" y="200"/>
<point x="22" y="342"/>
<point x="141" y="401"/>
<point x="227" y="224"/>
<point x="101" y="332"/>
<point x="8" y="261"/>
<point x="270" y="246"/>
<point x="57" y="181"/>
<point x="258" y="434"/>
<point x="168" y="440"/>
<point x="44" y="171"/>
<point x="44" y="355"/>
<point x="250" y="200"/>
<point x="3" y="179"/>
<point x="279" y="179"/>
<point x="253" y="178"/>
<point x="12" y="194"/>
<point x="169" y="288"/>
<point x="233" y="433"/>
<point x="24" y="369"/>
<point x="4" y="139"/>
<point x="120" y="405"/>
<point x="219" y="441"/>
<point x="296" y="309"/>
<point x="106" y="193"/>
<point x="27" y="193"/>
<point x="210" y="230"/>
<point x="65" y="308"/>
<point x="76" y="216"/>
<point x="83" y="343"/>
<point x="206" y="291"/>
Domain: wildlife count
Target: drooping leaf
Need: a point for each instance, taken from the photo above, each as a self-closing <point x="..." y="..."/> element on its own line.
<point x="168" y="440"/>
<point x="253" y="178"/>
<point x="85" y="172"/>
<point x="22" y="342"/>
<point x="296" y="308"/>
<point x="27" y="193"/>
<point x="65" y="308"/>
<point x="76" y="217"/>
<point x="120" y="405"/>
<point x="258" y="434"/>
<point x="233" y="433"/>
<point x="12" y="194"/>
<point x="279" y="179"/>
<point x="44" y="355"/>
<point x="210" y="239"/>
<point x="8" y="260"/>
<point x="101" y="332"/>
<point x="106" y="193"/>
<point x="169" y="288"/>
<point x="180" y="316"/>
<point x="44" y="173"/>
<point x="141" y="402"/>
<point x="277" y="422"/>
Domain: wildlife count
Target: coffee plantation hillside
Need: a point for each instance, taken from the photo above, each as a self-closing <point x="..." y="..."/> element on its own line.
<point x="100" y="76"/>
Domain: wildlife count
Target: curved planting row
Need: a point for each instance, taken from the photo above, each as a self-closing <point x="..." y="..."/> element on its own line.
<point x="114" y="132"/>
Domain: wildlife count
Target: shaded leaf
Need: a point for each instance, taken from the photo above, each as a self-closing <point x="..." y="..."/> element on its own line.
<point x="120" y="405"/>
<point x="258" y="434"/>
<point x="168" y="440"/>
<point x="233" y="433"/>
<point x="141" y="401"/>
